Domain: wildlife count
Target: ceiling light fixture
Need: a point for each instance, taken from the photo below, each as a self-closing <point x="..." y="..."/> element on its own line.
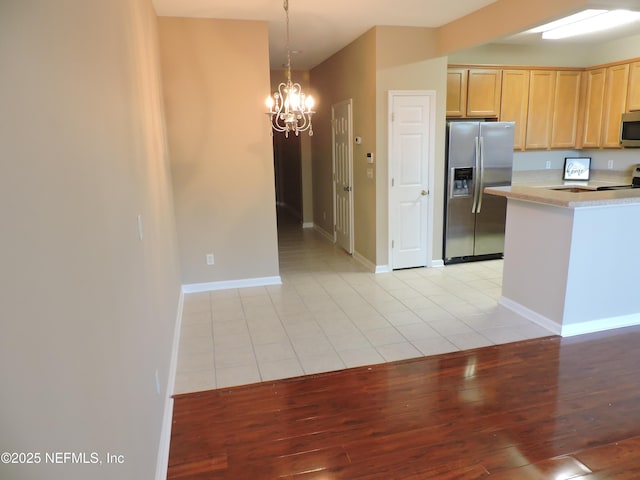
<point x="587" y="21"/>
<point x="290" y="109"/>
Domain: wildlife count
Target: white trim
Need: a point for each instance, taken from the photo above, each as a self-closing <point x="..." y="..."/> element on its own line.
<point x="572" y="329"/>
<point x="324" y="233"/>
<point x="368" y="264"/>
<point x="383" y="269"/>
<point x="167" y="418"/>
<point x="307" y="225"/>
<point x="225" y="284"/>
<point x="530" y="315"/>
<point x="599" y="325"/>
<point x="437" y="263"/>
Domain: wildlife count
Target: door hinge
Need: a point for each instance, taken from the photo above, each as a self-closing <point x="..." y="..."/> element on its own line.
<point x="393" y="244"/>
<point x="393" y="116"/>
<point x="393" y="182"/>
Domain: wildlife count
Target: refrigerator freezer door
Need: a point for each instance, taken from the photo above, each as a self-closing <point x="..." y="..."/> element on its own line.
<point x="497" y="142"/>
<point x="461" y="162"/>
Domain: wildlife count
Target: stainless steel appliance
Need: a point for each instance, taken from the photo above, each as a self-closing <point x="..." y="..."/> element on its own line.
<point x="630" y="129"/>
<point x="479" y="155"/>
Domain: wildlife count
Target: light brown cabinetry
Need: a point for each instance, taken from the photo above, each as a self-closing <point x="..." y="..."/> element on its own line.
<point x="457" y="92"/>
<point x="633" y="99"/>
<point x="566" y="104"/>
<point x="473" y="92"/>
<point x="615" y="104"/>
<point x="515" y="102"/>
<point x="593" y="107"/>
<point x="483" y="92"/>
<point x="539" y="117"/>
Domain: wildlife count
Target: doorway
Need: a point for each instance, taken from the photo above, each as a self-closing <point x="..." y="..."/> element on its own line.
<point x="288" y="174"/>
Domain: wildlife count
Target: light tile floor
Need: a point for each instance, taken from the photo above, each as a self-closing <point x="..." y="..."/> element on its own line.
<point x="330" y="314"/>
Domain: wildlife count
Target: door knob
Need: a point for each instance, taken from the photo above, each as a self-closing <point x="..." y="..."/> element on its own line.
<point x="424" y="192"/>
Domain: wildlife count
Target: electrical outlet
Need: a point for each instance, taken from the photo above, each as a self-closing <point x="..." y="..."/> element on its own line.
<point x="610" y="164"/>
<point x="210" y="259"/>
<point x="548" y="165"/>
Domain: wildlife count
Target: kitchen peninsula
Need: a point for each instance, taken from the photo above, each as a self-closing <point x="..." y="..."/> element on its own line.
<point x="571" y="261"/>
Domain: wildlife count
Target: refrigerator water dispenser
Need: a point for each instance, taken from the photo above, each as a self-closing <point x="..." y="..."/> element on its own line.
<point x="461" y="181"/>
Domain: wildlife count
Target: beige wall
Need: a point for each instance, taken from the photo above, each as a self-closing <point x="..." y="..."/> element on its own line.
<point x="88" y="309"/>
<point x="499" y="19"/>
<point x="216" y="78"/>
<point x="405" y="62"/>
<point x="349" y="73"/>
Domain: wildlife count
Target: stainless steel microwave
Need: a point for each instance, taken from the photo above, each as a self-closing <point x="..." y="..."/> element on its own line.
<point x="630" y="130"/>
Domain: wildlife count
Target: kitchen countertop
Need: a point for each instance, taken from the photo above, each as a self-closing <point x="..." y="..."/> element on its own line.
<point x="537" y="186"/>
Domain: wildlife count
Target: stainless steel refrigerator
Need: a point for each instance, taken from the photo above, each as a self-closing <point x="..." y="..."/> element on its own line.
<point x="479" y="155"/>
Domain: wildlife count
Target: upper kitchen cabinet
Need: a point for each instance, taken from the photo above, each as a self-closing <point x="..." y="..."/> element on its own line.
<point x="566" y="105"/>
<point x="541" y="95"/>
<point x="615" y="103"/>
<point x="514" y="103"/>
<point x="593" y="107"/>
<point x="473" y="93"/>
<point x="633" y="99"/>
<point x="457" y="92"/>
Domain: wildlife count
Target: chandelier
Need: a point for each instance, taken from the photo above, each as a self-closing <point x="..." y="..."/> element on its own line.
<point x="290" y="109"/>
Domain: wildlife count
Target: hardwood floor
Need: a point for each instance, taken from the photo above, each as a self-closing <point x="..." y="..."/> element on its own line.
<point x="548" y="408"/>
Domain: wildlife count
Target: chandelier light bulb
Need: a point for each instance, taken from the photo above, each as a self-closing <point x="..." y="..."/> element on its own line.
<point x="309" y="102"/>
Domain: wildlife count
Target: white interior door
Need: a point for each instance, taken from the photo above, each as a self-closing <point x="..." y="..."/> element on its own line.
<point x="343" y="174"/>
<point x="411" y="152"/>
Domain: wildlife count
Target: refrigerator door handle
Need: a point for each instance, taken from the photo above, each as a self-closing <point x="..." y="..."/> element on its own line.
<point x="481" y="176"/>
<point x="475" y="176"/>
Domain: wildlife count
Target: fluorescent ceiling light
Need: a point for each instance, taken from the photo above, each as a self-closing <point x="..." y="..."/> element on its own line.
<point x="576" y="17"/>
<point x="587" y="21"/>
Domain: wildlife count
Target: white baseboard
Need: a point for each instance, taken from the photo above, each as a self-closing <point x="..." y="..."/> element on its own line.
<point x="571" y="329"/>
<point x="437" y="263"/>
<point x="368" y="264"/>
<point x="167" y="418"/>
<point x="530" y="315"/>
<point x="307" y="225"/>
<point x="383" y="269"/>
<point x="226" y="284"/>
<point x="600" y="325"/>
<point x="324" y="233"/>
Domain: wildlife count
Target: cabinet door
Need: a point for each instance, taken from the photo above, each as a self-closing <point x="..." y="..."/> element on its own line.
<point x="514" y="103"/>
<point x="564" y="128"/>
<point x="633" y="99"/>
<point x="615" y="103"/>
<point x="541" y="95"/>
<point x="483" y="92"/>
<point x="594" y="104"/>
<point x="457" y="92"/>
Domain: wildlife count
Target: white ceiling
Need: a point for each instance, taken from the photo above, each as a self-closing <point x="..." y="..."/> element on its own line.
<point x="321" y="28"/>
